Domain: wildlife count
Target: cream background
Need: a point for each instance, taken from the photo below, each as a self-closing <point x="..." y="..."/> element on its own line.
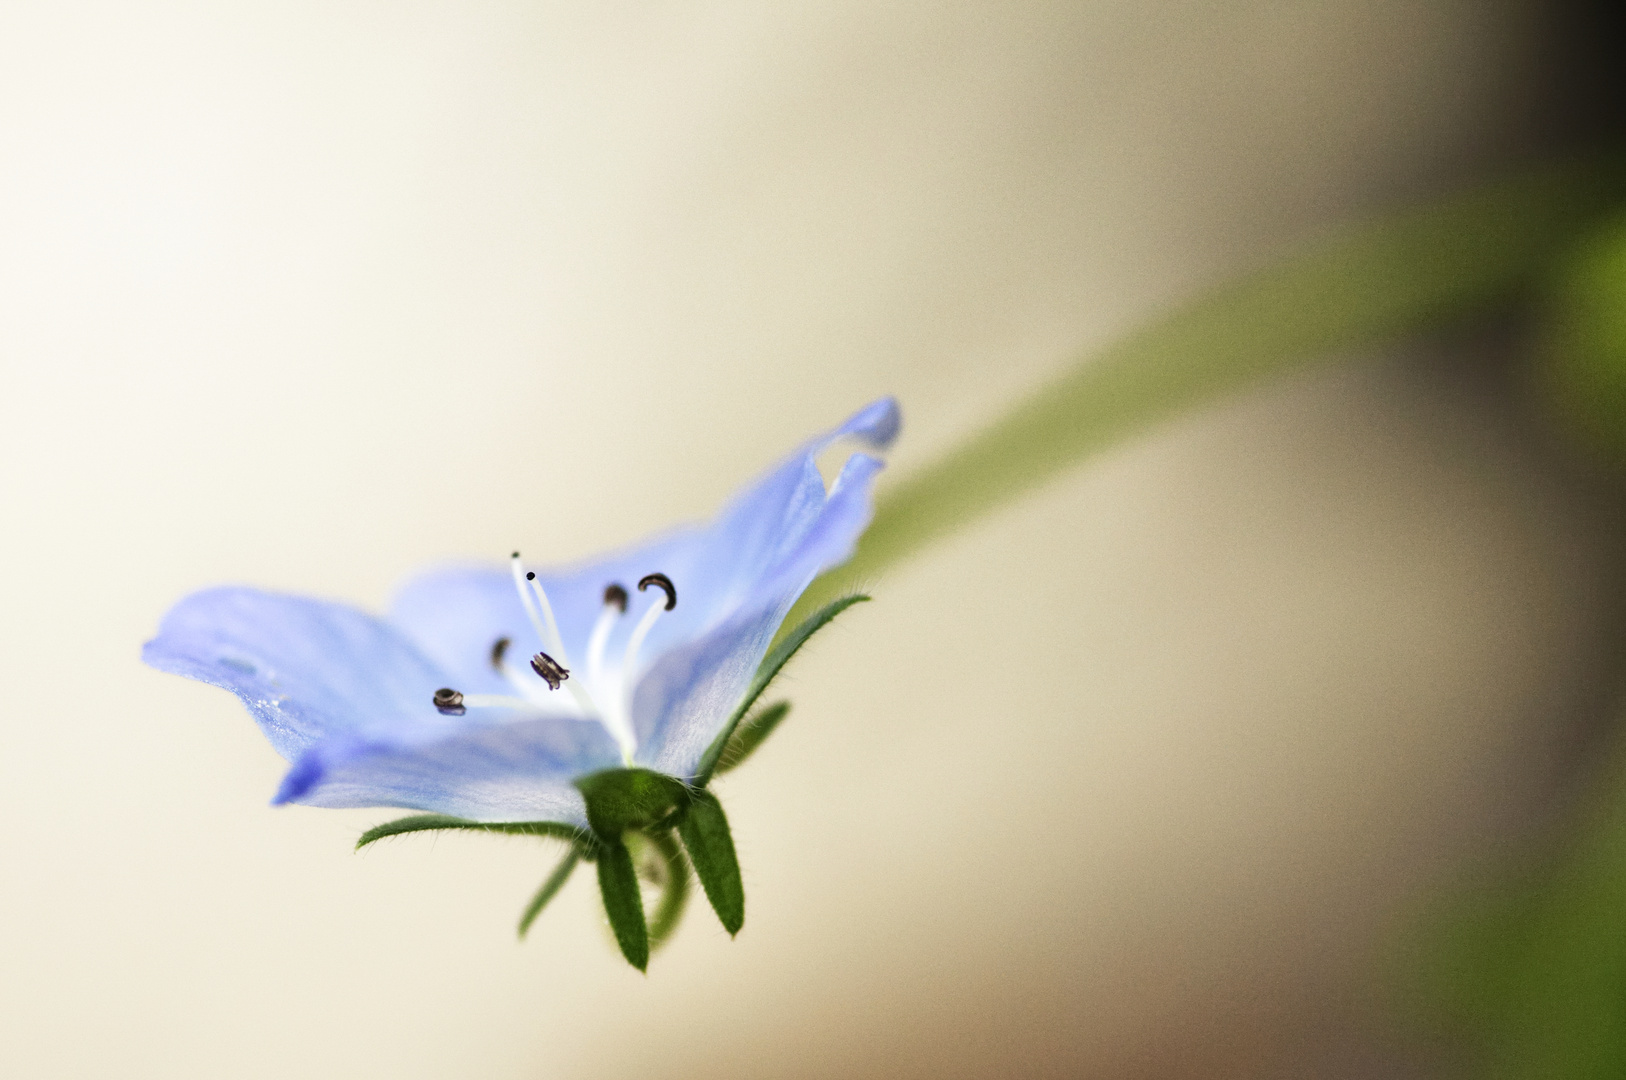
<point x="1128" y="780"/>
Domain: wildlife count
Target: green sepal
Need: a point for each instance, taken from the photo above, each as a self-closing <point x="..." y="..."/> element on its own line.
<point x="776" y="659"/>
<point x="705" y="833"/>
<point x="622" y="799"/>
<point x="422" y="822"/>
<point x="751" y="733"/>
<point x="623" y="903"/>
<point x="673" y="880"/>
<point x="550" y="888"/>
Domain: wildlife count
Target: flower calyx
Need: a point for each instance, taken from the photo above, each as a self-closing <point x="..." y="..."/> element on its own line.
<point x="635" y="802"/>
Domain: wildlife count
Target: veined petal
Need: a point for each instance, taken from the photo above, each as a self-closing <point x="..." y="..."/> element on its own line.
<point x="306" y="669"/>
<point x="769" y="523"/>
<point x="455" y="614"/>
<point x="684" y="697"/>
<point x="741" y="564"/>
<point x="518" y="770"/>
<point x="832" y="537"/>
<point x="752" y="561"/>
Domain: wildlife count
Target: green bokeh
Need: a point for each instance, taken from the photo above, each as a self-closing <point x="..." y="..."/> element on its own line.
<point x="1585" y="367"/>
<point x="1358" y="287"/>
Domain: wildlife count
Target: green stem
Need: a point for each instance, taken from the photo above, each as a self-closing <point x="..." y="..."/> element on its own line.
<point x="1360" y="286"/>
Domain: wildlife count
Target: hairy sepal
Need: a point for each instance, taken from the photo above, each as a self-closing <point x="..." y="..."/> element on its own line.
<point x="751" y="733"/>
<point x="624" y="903"/>
<point x="550" y="888"/>
<point x="430" y="822"/>
<point x="706" y="835"/>
<point x="776" y="659"/>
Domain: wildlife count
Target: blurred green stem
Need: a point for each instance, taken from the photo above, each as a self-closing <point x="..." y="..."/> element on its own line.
<point x="1357" y="287"/>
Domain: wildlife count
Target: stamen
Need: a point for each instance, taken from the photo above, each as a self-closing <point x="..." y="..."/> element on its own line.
<point x="551" y="639"/>
<point x="497" y="701"/>
<point x="547" y="629"/>
<point x="518" y="570"/>
<point x="549" y="669"/>
<point x="449" y="702"/>
<point x="621" y="724"/>
<point x="641" y="631"/>
<point x="529" y="692"/>
<point x="615" y="605"/>
<point x="665" y="584"/>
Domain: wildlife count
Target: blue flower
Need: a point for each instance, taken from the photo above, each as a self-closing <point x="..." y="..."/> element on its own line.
<point x="487" y="691"/>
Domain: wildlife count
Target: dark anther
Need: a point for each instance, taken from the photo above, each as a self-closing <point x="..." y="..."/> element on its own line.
<point x="615" y="594"/>
<point x="666" y="586"/>
<point x="516" y="555"/>
<point x="449" y="701"/>
<point x="530" y="575"/>
<point x="547" y="667"/>
<point x="498" y="647"/>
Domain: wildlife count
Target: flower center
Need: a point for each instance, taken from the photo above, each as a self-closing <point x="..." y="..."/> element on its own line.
<point x="604" y="697"/>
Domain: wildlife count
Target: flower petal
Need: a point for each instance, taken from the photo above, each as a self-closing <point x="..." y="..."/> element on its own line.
<point x="456" y="613"/>
<point x="769" y="524"/>
<point x="877" y="423"/>
<point x="736" y="579"/>
<point x="514" y="770"/>
<point x="784" y="520"/>
<point x="832" y="537"/>
<point x="306" y="669"/>
<point x="685" y="697"/>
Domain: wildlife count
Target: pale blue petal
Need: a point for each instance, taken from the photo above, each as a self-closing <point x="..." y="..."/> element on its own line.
<point x="685" y="697"/>
<point x="306" y="669"/>
<point x="832" y="537"/>
<point x="519" y="770"/>
<point x="781" y="527"/>
<point x="348" y="696"/>
<point x="770" y="541"/>
<point x="456" y="613"/>
<point x="768" y="524"/>
<point x="877" y="424"/>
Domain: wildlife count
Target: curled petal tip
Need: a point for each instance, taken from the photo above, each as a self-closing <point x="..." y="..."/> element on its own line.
<point x="877" y="423"/>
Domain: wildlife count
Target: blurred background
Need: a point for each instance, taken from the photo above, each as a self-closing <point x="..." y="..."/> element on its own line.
<point x="1143" y="777"/>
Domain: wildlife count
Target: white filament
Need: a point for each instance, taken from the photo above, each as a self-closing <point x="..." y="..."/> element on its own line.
<point x="618" y="720"/>
<point x="531" y="689"/>
<point x="599" y="639"/>
<point x="495" y="701"/>
<point x="548" y="630"/>
<point x="551" y="641"/>
<point x="518" y="569"/>
<point x="640" y="632"/>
